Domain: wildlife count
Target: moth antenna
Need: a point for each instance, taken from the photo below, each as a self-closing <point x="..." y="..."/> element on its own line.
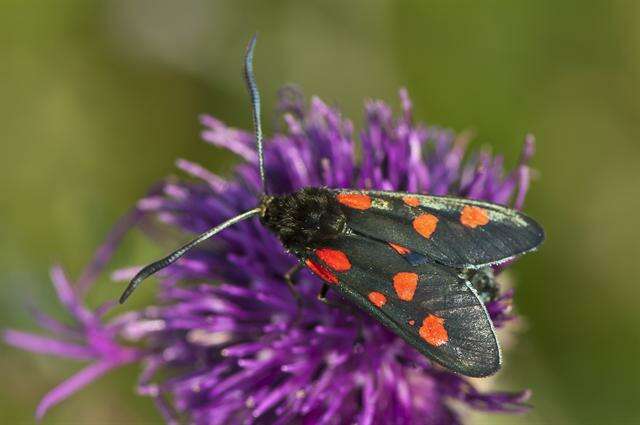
<point x="175" y="255"/>
<point x="252" y="88"/>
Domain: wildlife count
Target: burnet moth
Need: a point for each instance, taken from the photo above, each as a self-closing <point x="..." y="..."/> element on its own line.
<point x="419" y="264"/>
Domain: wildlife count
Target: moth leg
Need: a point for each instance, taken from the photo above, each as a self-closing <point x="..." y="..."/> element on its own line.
<point x="322" y="295"/>
<point x="288" y="277"/>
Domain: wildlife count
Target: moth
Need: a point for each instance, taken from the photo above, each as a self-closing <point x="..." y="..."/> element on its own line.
<point x="419" y="264"/>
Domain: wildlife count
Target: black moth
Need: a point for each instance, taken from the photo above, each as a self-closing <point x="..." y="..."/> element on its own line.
<point x="419" y="264"/>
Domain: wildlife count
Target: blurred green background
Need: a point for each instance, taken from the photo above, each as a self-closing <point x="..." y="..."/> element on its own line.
<point x="97" y="99"/>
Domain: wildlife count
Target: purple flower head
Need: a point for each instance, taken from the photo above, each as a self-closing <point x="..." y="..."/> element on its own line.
<point x="222" y="344"/>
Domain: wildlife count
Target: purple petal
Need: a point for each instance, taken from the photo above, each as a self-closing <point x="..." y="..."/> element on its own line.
<point x="44" y="345"/>
<point x="68" y="297"/>
<point x="72" y="385"/>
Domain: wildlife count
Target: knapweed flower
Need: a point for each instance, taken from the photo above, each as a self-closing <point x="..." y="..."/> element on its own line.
<point x="225" y="343"/>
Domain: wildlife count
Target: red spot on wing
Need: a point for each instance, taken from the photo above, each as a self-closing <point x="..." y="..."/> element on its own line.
<point x="335" y="259"/>
<point x="321" y="272"/>
<point x="412" y="322"/>
<point x="433" y="331"/>
<point x="377" y="298"/>
<point x="425" y="224"/>
<point x="399" y="249"/>
<point x="412" y="201"/>
<point x="358" y="201"/>
<point x="405" y="284"/>
<point x="473" y="216"/>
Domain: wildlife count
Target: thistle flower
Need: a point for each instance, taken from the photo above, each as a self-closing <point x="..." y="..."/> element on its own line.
<point x="222" y="344"/>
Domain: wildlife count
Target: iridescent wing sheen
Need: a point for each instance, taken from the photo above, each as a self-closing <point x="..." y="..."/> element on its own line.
<point x="428" y="305"/>
<point x="455" y="232"/>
